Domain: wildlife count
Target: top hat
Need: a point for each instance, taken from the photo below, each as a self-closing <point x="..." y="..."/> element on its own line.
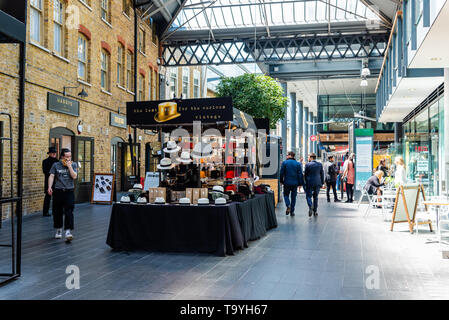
<point x="166" y="111"/>
<point x="172" y="147"/>
<point x="165" y="164"/>
<point x="244" y="175"/>
<point x="51" y="150"/>
<point x="185" y="157"/>
<point x="202" y="150"/>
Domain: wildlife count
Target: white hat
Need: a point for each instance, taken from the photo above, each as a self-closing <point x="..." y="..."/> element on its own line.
<point x="165" y="164"/>
<point x="184" y="201"/>
<point x="185" y="157"/>
<point x="203" y="201"/>
<point x="202" y="150"/>
<point x="137" y="186"/>
<point x="141" y="200"/>
<point x="219" y="201"/>
<point x="125" y="199"/>
<point x="218" y="188"/>
<point x="159" y="200"/>
<point x="172" y="147"/>
<point x="256" y="178"/>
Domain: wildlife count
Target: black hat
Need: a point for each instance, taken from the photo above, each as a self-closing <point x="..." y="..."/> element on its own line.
<point x="51" y="150"/>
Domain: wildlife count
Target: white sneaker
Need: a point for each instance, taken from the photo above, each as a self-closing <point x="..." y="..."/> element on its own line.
<point x="68" y="236"/>
<point x="58" y="234"/>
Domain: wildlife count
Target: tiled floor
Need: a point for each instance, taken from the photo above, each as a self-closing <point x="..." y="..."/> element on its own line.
<point x="332" y="256"/>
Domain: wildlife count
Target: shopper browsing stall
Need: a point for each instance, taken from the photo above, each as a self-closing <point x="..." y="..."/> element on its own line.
<point x="63" y="174"/>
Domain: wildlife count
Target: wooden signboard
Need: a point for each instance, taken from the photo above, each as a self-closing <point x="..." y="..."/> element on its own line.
<point x="405" y="205"/>
<point x="103" y="188"/>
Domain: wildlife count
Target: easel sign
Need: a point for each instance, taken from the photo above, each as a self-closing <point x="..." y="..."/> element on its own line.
<point x="405" y="205"/>
<point x="103" y="188"/>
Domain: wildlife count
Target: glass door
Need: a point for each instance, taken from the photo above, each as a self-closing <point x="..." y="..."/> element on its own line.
<point x="84" y="155"/>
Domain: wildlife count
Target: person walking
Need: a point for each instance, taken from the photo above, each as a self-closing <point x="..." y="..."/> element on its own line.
<point x="291" y="178"/>
<point x="331" y="173"/>
<point x="63" y="173"/>
<point x="349" y="177"/>
<point x="46" y="166"/>
<point x="314" y="179"/>
<point x="399" y="174"/>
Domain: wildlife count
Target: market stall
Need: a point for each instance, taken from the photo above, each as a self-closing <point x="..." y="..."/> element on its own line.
<point x="206" y="199"/>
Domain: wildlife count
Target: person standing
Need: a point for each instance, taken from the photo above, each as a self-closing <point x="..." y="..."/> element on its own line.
<point x="46" y="166"/>
<point x="63" y="173"/>
<point x="291" y="177"/>
<point x="314" y="179"/>
<point x="382" y="167"/>
<point x="331" y="173"/>
<point x="399" y="174"/>
<point x="349" y="177"/>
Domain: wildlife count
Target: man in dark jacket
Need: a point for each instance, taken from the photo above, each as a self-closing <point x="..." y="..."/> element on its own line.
<point x="291" y="178"/>
<point x="46" y="166"/>
<point x="314" y="179"/>
<point x="331" y="173"/>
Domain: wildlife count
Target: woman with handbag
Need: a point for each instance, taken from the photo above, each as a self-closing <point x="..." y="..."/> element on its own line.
<point x="349" y="177"/>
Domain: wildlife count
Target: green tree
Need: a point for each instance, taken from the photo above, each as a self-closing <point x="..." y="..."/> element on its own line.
<point x="258" y="95"/>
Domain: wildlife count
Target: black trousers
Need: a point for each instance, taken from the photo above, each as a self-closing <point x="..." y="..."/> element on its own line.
<point x="47" y="200"/>
<point x="63" y="206"/>
<point x="332" y="184"/>
<point x="350" y="191"/>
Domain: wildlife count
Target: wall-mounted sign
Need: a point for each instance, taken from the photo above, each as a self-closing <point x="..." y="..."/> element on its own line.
<point x="166" y="112"/>
<point x="117" y="120"/>
<point x="63" y="104"/>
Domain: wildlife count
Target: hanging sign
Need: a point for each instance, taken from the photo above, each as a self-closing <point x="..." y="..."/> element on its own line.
<point x="167" y="112"/>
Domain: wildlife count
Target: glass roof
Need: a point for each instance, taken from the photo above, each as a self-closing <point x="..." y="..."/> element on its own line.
<point x="222" y="14"/>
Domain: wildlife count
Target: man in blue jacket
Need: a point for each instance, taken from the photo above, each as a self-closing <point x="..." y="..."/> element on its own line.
<point x="314" y="179"/>
<point x="291" y="178"/>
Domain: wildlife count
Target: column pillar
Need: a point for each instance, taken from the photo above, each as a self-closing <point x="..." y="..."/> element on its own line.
<point x="306" y="133"/>
<point x="310" y="148"/>
<point x="397" y="132"/>
<point x="315" y="119"/>
<point x="300" y="127"/>
<point x="284" y="124"/>
<point x="293" y="121"/>
<point x="445" y="136"/>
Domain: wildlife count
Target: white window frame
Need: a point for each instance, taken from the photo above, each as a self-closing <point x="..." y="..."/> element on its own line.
<point x="120" y="65"/>
<point x="140" y="92"/>
<point x="36" y="7"/>
<point x="196" y="86"/>
<point x="185" y="74"/>
<point x="155" y="81"/>
<point x="104" y="76"/>
<point x="173" y="82"/>
<point x="82" y="56"/>
<point x="141" y="40"/>
<point x="58" y="24"/>
<point x="129" y="71"/>
<point x="104" y="9"/>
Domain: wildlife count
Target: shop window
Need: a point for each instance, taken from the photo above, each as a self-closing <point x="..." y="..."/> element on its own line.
<point x="129" y="71"/>
<point x="58" y="25"/>
<point x="185" y="82"/>
<point x="120" y="64"/>
<point x="82" y="57"/>
<point x="105" y="11"/>
<point x="141" y="41"/>
<point x="36" y="13"/>
<point x="105" y="70"/>
<point x="196" y="84"/>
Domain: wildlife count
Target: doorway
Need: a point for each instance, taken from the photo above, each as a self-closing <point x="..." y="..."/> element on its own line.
<point x="116" y="165"/>
<point x="61" y="138"/>
<point x="83" y="154"/>
<point x="127" y="178"/>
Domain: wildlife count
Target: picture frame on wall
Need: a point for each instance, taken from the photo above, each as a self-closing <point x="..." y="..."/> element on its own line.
<point x="103" y="188"/>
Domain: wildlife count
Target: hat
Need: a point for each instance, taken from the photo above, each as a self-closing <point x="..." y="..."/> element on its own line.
<point x="220" y="201"/>
<point x="142" y="200"/>
<point x="137" y="186"/>
<point x="51" y="150"/>
<point x="231" y="187"/>
<point x="184" y="201"/>
<point x="218" y="188"/>
<point x="159" y="200"/>
<point x="244" y="175"/>
<point x="185" y="157"/>
<point x="166" y="111"/>
<point x="125" y="199"/>
<point x="230" y="174"/>
<point x="203" y="201"/>
<point x="165" y="164"/>
<point x="202" y="174"/>
<point x="202" y="150"/>
<point x="172" y="147"/>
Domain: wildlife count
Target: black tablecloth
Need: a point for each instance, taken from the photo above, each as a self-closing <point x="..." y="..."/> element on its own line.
<point x="256" y="216"/>
<point x="183" y="228"/>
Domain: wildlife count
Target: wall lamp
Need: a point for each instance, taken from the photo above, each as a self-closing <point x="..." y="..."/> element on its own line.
<point x="82" y="93"/>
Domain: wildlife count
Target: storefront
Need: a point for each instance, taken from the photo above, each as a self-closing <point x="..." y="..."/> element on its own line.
<point x="423" y="143"/>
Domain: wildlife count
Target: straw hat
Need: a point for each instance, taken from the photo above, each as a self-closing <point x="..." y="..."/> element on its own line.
<point x="202" y="150"/>
<point x="165" y="164"/>
<point x="203" y="201"/>
<point x="220" y="201"/>
<point x="159" y="200"/>
<point x="218" y="188"/>
<point x="185" y="157"/>
<point x="172" y="147"/>
<point x="184" y="201"/>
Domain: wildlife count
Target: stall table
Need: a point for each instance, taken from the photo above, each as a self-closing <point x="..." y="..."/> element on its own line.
<point x="220" y="229"/>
